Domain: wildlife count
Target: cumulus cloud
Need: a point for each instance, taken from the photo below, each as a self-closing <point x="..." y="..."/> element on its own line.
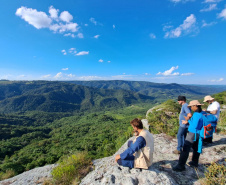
<point x="53" y="12"/>
<point x="109" y="61"/>
<point x="90" y="78"/>
<point x="222" y="14"/>
<point x="62" y="24"/>
<point x="209" y="8"/>
<point x="92" y="20"/>
<point x="152" y="36"/>
<point x="64" y="76"/>
<point x="180" y="1"/>
<point x="96" y="36"/>
<point x="80" y="35"/>
<point x="218" y="80"/>
<point x="113" y="26"/>
<point x="187" y="74"/>
<point x="64" y="52"/>
<point x="46" y="76"/>
<point x="72" y="50"/>
<point x="101" y="60"/>
<point x="64" y="69"/>
<point x="205" y="24"/>
<point x="66" y="16"/>
<point x="170" y="72"/>
<point x="37" y="19"/>
<point x="212" y="1"/>
<point x="82" y="53"/>
<point x="188" y="26"/>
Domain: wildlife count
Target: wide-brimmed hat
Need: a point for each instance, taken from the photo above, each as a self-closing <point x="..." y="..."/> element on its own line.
<point x="194" y="102"/>
<point x="208" y="98"/>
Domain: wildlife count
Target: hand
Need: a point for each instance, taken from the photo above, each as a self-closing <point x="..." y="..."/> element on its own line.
<point x="184" y="121"/>
<point x="117" y="157"/>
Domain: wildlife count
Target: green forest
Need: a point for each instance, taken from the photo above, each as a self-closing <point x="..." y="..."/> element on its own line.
<point x="42" y="122"/>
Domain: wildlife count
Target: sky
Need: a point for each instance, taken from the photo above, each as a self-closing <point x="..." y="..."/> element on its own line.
<point x="164" y="41"/>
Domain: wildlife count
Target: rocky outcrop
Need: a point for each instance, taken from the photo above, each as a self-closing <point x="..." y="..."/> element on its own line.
<point x="107" y="171"/>
<point x="32" y="177"/>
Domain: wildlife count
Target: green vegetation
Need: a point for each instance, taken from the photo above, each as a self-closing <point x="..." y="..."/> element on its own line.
<point x="215" y="174"/>
<point x="72" y="169"/>
<point x="164" y="118"/>
<point x="29" y="146"/>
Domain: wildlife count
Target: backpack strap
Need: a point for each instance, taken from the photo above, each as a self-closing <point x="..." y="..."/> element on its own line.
<point x="200" y="145"/>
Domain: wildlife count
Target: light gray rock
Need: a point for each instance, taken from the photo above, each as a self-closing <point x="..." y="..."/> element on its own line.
<point x="31" y="177"/>
<point x="107" y="171"/>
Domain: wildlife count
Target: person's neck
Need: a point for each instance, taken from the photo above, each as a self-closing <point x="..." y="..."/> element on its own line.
<point x="139" y="130"/>
<point x="183" y="103"/>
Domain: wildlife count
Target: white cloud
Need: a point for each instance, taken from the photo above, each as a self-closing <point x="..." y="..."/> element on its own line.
<point x="204" y="24"/>
<point x="96" y="36"/>
<point x="53" y="12"/>
<point x="209" y="8"/>
<point x="219" y="80"/>
<point x="188" y="26"/>
<point x="46" y="76"/>
<point x="92" y="20"/>
<point x="80" y="35"/>
<point x="147" y="74"/>
<point x="222" y="14"/>
<point x="212" y="1"/>
<point x="70" y="35"/>
<point x="40" y="19"/>
<point x="66" y="16"/>
<point x="109" y="61"/>
<point x="64" y="52"/>
<point x="90" y="77"/>
<point x="180" y="1"/>
<point x="113" y="26"/>
<point x="64" y="69"/>
<point x="37" y="19"/>
<point x="82" y="53"/>
<point x="152" y="36"/>
<point x="187" y="74"/>
<point x="72" y="50"/>
<point x="59" y="75"/>
<point x="101" y="60"/>
<point x="170" y="72"/>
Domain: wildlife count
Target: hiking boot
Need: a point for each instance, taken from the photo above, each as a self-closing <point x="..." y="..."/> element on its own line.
<point x="178" y="168"/>
<point x="176" y="152"/>
<point x="193" y="164"/>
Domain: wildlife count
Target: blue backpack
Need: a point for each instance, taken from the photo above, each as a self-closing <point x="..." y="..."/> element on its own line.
<point x="206" y="128"/>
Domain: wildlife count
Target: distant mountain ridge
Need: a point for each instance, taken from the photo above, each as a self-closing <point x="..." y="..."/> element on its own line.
<point x="157" y="90"/>
<point x="62" y="97"/>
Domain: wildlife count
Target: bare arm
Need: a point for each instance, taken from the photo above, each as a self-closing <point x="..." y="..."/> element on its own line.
<point x="188" y="116"/>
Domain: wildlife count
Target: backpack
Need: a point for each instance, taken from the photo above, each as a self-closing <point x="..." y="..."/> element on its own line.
<point x="206" y="129"/>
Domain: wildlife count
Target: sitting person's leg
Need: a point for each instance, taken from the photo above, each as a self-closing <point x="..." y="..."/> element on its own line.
<point x="128" y="162"/>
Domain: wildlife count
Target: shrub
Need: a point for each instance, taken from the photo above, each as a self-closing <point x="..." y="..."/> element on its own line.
<point x="215" y="174"/>
<point x="72" y="168"/>
<point x="9" y="173"/>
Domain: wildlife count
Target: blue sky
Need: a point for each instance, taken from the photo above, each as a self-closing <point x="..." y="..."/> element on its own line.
<point x="167" y="41"/>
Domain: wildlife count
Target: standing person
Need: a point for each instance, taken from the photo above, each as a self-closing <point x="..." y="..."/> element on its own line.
<point x="140" y="152"/>
<point x="213" y="108"/>
<point x="192" y="138"/>
<point x="185" y="114"/>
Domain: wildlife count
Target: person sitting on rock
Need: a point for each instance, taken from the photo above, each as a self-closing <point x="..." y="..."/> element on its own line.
<point x="192" y="138"/>
<point x="139" y="154"/>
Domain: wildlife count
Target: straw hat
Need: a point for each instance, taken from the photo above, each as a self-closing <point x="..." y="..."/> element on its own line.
<point x="208" y="98"/>
<point x="194" y="102"/>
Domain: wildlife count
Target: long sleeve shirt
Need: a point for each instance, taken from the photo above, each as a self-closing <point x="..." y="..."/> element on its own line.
<point x="134" y="147"/>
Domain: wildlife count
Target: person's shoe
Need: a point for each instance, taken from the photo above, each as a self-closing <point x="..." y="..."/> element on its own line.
<point x="178" y="168"/>
<point x="176" y="152"/>
<point x="192" y="164"/>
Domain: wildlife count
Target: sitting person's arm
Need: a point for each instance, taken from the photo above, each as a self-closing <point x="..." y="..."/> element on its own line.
<point x="139" y="143"/>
